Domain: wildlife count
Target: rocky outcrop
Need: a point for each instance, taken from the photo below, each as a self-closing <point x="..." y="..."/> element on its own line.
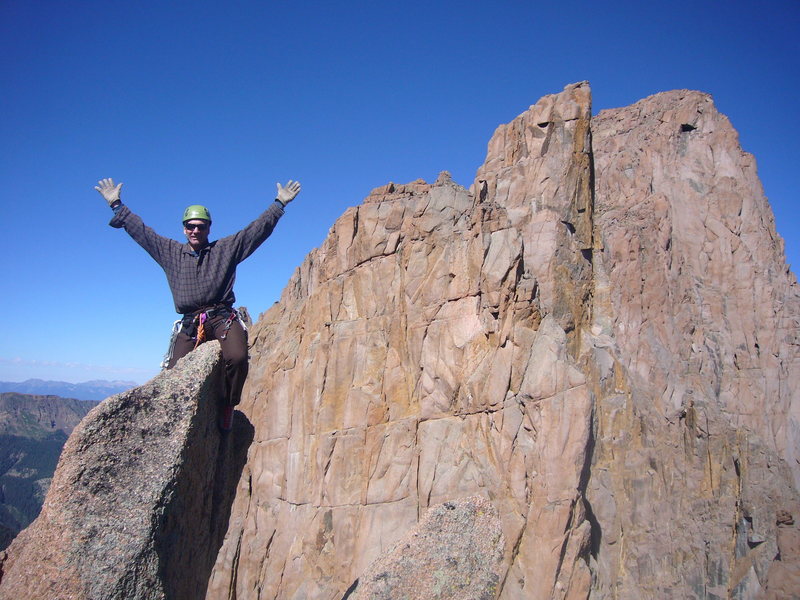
<point x="425" y="353"/>
<point x="454" y="552"/>
<point x="575" y="339"/>
<point x="140" y="499"/>
<point x="783" y="579"/>
<point x="702" y="303"/>
<point x="698" y="314"/>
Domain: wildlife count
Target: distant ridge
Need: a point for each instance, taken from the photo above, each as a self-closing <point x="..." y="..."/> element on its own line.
<point x="33" y="430"/>
<point x="98" y="389"/>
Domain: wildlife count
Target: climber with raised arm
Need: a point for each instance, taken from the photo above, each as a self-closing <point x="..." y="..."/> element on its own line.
<point x="201" y="276"/>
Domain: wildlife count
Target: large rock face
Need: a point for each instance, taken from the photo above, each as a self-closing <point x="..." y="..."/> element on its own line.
<point x="140" y="499"/>
<point x="600" y="338"/>
<point x="702" y="303"/>
<point x="701" y="314"/>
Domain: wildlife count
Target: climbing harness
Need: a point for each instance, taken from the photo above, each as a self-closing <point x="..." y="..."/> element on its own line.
<point x="199" y="319"/>
<point x="201" y="329"/>
<point x="234" y="316"/>
<point x="176" y="329"/>
<point x="241" y="317"/>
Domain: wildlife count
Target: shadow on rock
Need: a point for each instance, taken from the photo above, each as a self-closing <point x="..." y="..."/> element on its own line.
<point x="196" y="521"/>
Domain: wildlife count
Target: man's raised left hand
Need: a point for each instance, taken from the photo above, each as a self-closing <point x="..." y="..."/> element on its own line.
<point x="288" y="193"/>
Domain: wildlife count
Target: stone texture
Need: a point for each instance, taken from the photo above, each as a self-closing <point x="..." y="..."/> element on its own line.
<point x="571" y="339"/>
<point x="140" y="498"/>
<point x="702" y="301"/>
<point x="696" y="314"/>
<point x="426" y="352"/>
<point x="783" y="578"/>
<point x="454" y="552"/>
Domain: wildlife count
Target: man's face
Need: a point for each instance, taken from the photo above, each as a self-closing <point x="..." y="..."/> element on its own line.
<point x="196" y="231"/>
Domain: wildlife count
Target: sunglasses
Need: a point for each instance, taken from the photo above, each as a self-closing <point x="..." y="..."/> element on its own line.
<point x="197" y="226"/>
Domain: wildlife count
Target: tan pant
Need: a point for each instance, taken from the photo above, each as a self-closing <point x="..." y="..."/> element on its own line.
<point x="234" y="352"/>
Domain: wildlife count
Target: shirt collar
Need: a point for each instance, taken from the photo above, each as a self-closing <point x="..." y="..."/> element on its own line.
<point x="187" y="249"/>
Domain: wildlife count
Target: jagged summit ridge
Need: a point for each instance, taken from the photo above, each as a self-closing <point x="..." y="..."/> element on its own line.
<point x="445" y="342"/>
<point x="719" y="316"/>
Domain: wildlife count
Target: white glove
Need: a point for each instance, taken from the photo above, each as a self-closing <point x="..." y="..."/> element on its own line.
<point x="288" y="193"/>
<point x="108" y="190"/>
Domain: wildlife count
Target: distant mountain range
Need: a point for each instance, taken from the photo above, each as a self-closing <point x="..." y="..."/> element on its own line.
<point x="98" y="389"/>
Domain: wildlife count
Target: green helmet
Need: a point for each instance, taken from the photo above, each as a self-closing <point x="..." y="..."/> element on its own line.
<point x="195" y="211"/>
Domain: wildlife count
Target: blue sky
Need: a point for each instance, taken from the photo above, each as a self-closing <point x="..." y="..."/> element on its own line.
<point x="212" y="103"/>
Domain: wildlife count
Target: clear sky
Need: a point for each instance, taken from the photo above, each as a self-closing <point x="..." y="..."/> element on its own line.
<point x="214" y="102"/>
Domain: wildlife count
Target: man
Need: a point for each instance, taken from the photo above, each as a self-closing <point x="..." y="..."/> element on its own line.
<point x="201" y="276"/>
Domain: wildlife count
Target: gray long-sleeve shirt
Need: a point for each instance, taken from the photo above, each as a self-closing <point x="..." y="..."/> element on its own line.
<point x="205" y="278"/>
